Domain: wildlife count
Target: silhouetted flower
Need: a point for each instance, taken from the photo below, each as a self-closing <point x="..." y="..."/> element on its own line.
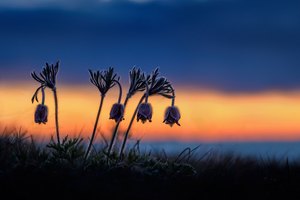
<point x="159" y="85"/>
<point x="47" y="79"/>
<point x="41" y="114"/>
<point x="172" y="116"/>
<point x="144" y="112"/>
<point x="136" y="81"/>
<point x="117" y="112"/>
<point x="103" y="80"/>
<point x="154" y="85"/>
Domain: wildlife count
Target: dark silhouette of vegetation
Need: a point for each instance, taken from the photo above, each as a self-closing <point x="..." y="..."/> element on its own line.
<point x="32" y="170"/>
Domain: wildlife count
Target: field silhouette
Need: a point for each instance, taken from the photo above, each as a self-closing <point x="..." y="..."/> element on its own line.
<point x="31" y="170"/>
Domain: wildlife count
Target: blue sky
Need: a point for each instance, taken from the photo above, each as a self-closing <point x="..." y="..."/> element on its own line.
<point x="228" y="45"/>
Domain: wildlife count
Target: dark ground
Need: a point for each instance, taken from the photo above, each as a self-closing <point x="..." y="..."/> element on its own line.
<point x="30" y="172"/>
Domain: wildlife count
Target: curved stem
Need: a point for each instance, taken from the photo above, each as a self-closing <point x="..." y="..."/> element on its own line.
<point x="129" y="126"/>
<point x="56" y="114"/>
<point x="95" y="128"/>
<point x="116" y="130"/>
<point x="43" y="96"/>
<point x="120" y="91"/>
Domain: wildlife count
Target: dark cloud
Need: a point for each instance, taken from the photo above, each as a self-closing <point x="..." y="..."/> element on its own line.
<point x="228" y="45"/>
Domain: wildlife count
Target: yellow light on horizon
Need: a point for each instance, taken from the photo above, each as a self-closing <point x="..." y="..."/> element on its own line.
<point x="206" y="115"/>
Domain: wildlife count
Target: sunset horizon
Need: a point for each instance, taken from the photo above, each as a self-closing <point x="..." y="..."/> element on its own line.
<point x="150" y="99"/>
<point x="207" y="115"/>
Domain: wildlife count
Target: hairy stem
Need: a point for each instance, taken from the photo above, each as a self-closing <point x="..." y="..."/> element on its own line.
<point x="129" y="126"/>
<point x="56" y="115"/>
<point x="95" y="128"/>
<point x="116" y="130"/>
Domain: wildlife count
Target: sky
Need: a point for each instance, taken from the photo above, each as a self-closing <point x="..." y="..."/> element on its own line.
<point x="239" y="60"/>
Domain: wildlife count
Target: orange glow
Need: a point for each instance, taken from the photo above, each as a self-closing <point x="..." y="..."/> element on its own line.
<point x="206" y="115"/>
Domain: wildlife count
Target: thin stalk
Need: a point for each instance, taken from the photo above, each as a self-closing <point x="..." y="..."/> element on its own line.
<point x="56" y="115"/>
<point x="120" y="91"/>
<point x="147" y="92"/>
<point x="173" y="99"/>
<point x="116" y="130"/>
<point x="129" y="126"/>
<point x="95" y="127"/>
<point x="43" y="96"/>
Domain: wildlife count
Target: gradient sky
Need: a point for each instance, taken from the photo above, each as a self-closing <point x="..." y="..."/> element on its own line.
<point x="230" y="45"/>
<point x="212" y="50"/>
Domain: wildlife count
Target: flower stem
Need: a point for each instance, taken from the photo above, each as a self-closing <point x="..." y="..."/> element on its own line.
<point x="173" y="99"/>
<point x="43" y="96"/>
<point x="56" y="114"/>
<point x="116" y="130"/>
<point x="129" y="126"/>
<point x="147" y="92"/>
<point x="120" y="91"/>
<point x="95" y="128"/>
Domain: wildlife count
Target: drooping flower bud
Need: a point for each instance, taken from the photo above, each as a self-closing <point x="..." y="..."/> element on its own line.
<point x="117" y="112"/>
<point x="41" y="114"/>
<point x="144" y="112"/>
<point x="172" y="116"/>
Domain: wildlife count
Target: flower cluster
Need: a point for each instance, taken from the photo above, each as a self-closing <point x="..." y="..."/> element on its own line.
<point x="150" y="85"/>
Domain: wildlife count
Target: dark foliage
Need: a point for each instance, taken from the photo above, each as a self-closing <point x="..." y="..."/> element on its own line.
<point x="29" y="170"/>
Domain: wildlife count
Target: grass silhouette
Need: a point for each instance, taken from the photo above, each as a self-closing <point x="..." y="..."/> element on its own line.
<point x="32" y="170"/>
